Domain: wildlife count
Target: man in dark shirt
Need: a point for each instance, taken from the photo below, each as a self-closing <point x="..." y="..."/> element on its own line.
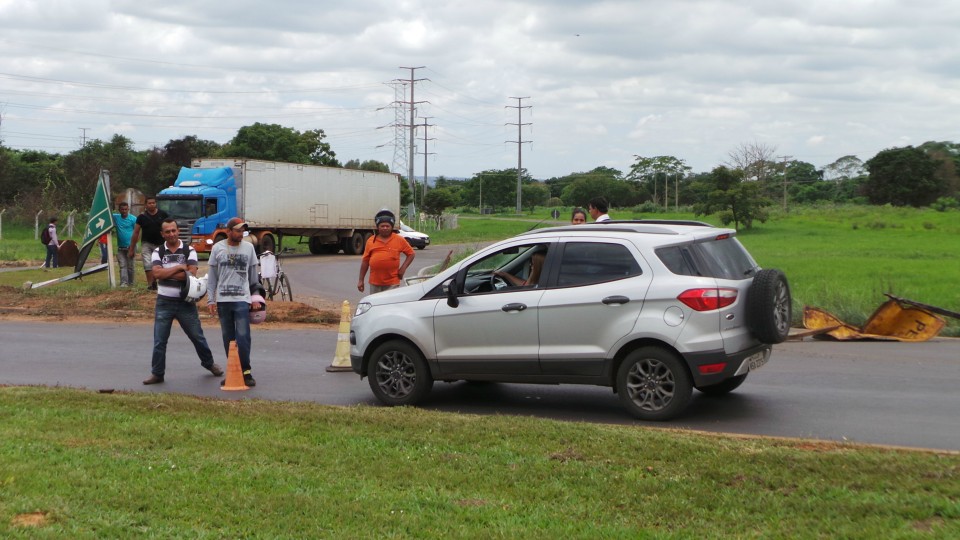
<point x="147" y="230"/>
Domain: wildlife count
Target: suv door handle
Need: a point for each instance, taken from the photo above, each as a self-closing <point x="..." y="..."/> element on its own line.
<point x="514" y="307"/>
<point x="615" y="300"/>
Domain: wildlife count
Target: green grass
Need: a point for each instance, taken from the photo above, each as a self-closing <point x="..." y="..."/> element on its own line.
<point x="165" y="466"/>
<point x="844" y="260"/>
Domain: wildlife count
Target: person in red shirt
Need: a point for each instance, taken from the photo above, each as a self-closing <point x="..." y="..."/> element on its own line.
<point x="103" y="248"/>
<point x="382" y="256"/>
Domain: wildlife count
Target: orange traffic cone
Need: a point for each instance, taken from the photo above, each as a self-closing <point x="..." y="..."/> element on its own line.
<point x="234" y="372"/>
<point x="341" y="358"/>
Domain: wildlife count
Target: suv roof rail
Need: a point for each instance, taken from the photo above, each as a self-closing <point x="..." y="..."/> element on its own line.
<point x="609" y="226"/>
<point x="668" y="222"/>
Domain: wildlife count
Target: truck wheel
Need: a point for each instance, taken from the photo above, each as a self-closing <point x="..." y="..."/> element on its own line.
<point x="769" y="306"/>
<point x="219" y="237"/>
<point x="316" y="246"/>
<point x="354" y="244"/>
<point x="653" y="384"/>
<point x="398" y="374"/>
<point x="267" y="243"/>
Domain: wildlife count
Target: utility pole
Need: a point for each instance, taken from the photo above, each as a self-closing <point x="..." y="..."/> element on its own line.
<point x="676" y="191"/>
<point x="83" y="138"/>
<point x="411" y="209"/>
<point x="784" y="160"/>
<point x="519" y="107"/>
<point x="425" y="125"/>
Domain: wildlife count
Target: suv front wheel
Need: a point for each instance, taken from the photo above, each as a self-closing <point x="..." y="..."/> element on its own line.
<point x="398" y="374"/>
<point x="653" y="384"/>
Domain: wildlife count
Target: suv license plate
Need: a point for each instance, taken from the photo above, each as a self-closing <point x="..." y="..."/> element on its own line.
<point x="756" y="361"/>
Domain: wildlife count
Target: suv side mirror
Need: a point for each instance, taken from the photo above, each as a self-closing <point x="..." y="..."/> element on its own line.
<point x="452" y="287"/>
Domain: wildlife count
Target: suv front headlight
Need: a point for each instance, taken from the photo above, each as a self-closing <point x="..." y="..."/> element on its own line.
<point x="362" y="308"/>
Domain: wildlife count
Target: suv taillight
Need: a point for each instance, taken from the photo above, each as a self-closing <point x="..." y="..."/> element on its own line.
<point x="708" y="299"/>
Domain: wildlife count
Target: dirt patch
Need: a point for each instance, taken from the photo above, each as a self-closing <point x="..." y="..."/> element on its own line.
<point x="32" y="519"/>
<point x="133" y="305"/>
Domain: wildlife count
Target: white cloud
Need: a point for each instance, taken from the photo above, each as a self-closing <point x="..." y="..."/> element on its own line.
<point x="606" y="80"/>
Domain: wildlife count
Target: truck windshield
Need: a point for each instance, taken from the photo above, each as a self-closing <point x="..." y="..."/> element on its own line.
<point x="182" y="208"/>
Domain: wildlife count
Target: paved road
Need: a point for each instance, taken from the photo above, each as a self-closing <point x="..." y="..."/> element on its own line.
<point x="882" y="393"/>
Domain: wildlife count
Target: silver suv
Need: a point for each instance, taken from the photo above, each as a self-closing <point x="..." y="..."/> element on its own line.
<point x="652" y="309"/>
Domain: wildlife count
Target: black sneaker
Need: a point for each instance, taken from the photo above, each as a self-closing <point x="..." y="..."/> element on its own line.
<point x="248" y="380"/>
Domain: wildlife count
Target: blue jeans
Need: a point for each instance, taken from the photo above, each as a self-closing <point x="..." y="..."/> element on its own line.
<point x="127" y="268"/>
<point x="53" y="256"/>
<point x="235" y="326"/>
<point x="165" y="311"/>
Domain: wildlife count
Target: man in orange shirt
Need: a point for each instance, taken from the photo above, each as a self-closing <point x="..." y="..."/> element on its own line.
<point x="382" y="256"/>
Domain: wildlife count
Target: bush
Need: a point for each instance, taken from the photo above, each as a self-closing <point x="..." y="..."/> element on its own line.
<point x="648" y="207"/>
<point x="554" y="201"/>
<point x="944" y="204"/>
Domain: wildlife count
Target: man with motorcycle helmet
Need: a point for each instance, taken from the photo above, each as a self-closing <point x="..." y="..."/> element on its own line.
<point x="174" y="265"/>
<point x="231" y="278"/>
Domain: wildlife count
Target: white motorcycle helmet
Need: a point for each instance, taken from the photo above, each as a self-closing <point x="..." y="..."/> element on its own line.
<point x="193" y="289"/>
<point x="257" y="316"/>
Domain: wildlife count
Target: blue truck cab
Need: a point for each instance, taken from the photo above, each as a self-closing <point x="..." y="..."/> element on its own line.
<point x="201" y="200"/>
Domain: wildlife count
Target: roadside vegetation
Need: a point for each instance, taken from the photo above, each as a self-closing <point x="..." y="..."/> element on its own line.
<point x="78" y="464"/>
<point x="840" y="258"/>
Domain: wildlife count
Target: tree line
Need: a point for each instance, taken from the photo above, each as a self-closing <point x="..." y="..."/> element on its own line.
<point x="741" y="190"/>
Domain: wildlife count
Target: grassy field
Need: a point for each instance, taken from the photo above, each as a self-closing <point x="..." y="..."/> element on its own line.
<point x="841" y="259"/>
<point x="77" y="464"/>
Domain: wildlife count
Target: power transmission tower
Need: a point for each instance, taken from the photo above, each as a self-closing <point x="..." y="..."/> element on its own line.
<point x="83" y="138"/>
<point x="784" y="160"/>
<point x="519" y="107"/>
<point x="413" y="132"/>
<point x="425" y="125"/>
<point x="399" y="135"/>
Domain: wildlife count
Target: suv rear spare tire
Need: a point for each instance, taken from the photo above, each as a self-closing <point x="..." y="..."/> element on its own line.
<point x="768" y="306"/>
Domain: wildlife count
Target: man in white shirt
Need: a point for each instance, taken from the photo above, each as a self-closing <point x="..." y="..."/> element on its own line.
<point x="172" y="261"/>
<point x="598" y="209"/>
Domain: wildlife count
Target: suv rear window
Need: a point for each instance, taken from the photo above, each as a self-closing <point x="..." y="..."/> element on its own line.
<point x="724" y="259"/>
